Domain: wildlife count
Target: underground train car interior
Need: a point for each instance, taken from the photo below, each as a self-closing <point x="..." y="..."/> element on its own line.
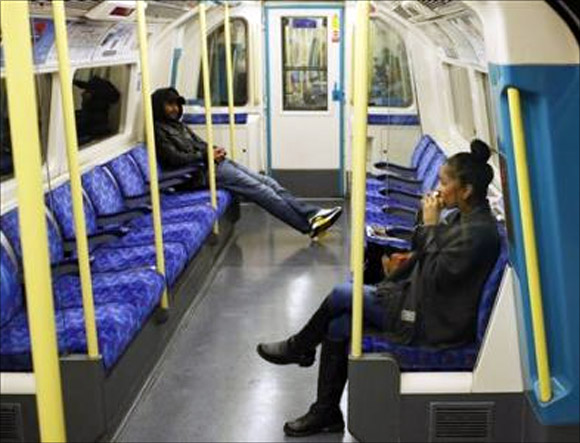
<point x="393" y="182"/>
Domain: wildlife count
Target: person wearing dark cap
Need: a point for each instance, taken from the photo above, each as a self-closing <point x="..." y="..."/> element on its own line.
<point x="97" y="98"/>
<point x="177" y="146"/>
<point x="431" y="298"/>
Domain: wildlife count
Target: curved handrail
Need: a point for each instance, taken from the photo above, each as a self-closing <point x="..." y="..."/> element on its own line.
<point x="530" y="247"/>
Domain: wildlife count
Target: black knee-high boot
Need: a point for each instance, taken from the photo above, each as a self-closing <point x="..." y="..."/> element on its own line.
<point x="325" y="415"/>
<point x="300" y="348"/>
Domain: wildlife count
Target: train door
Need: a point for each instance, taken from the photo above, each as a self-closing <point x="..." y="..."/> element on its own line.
<point x="304" y="80"/>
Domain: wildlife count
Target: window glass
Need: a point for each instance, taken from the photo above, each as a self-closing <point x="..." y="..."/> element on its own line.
<point x="43" y="95"/>
<point x="99" y="96"/>
<point x="216" y="44"/>
<point x="461" y="100"/>
<point x="391" y="81"/>
<point x="304" y="63"/>
<point x="490" y="115"/>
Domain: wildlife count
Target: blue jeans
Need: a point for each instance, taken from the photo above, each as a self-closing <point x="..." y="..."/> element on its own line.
<point x="341" y="308"/>
<point x="266" y="192"/>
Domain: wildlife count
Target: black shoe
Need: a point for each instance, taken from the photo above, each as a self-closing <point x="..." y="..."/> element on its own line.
<point x="323" y="220"/>
<point x="281" y="353"/>
<point x="315" y="421"/>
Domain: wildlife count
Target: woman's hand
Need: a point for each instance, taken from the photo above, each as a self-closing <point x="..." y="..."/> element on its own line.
<point x="394" y="261"/>
<point x="432" y="206"/>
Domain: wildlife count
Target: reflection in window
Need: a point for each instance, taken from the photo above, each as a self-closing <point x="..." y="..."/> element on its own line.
<point x="217" y="64"/>
<point x="98" y="97"/>
<point x="305" y="73"/>
<point x="461" y="97"/>
<point x="43" y="95"/>
<point x="391" y="83"/>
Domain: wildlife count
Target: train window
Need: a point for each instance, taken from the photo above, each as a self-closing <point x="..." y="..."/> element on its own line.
<point x="391" y="81"/>
<point x="99" y="95"/>
<point x="305" y="70"/>
<point x="217" y="64"/>
<point x="43" y="96"/>
<point x="490" y="115"/>
<point x="461" y="100"/>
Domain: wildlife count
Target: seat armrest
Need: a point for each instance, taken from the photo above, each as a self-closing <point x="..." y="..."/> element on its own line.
<point x="68" y="266"/>
<point x="122" y="217"/>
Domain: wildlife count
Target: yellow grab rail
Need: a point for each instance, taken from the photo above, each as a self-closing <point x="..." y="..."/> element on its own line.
<point x="361" y="91"/>
<point x="207" y="101"/>
<point x="32" y="217"/>
<point x="75" y="176"/>
<point x="230" y="79"/>
<point x="150" y="136"/>
<point x="530" y="247"/>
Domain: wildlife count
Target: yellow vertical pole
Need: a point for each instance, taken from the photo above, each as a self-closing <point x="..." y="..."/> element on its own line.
<point x="150" y="137"/>
<point x="75" y="176"/>
<point x="530" y="247"/>
<point x="361" y="91"/>
<point x="207" y="101"/>
<point x="32" y="221"/>
<point x="230" y="80"/>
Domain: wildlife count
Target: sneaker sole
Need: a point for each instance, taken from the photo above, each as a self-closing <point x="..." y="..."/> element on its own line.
<point x="304" y="362"/>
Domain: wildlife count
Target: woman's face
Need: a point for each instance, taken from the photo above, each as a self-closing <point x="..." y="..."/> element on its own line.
<point x="451" y="193"/>
<point x="171" y="110"/>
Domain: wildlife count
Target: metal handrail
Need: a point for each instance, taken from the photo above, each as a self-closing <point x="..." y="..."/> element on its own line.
<point x="361" y="90"/>
<point x="207" y="102"/>
<point x="150" y="137"/>
<point x="72" y="156"/>
<point x="530" y="247"/>
<point x="22" y="105"/>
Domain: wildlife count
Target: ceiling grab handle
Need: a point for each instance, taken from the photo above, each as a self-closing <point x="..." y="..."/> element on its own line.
<point x="361" y="92"/>
<point x="17" y="44"/>
<point x="150" y="138"/>
<point x="530" y="247"/>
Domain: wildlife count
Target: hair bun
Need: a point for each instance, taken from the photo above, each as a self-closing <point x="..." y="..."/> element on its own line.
<point x="480" y="151"/>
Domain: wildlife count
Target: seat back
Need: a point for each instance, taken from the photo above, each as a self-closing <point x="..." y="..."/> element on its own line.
<point x="11" y="298"/>
<point x="420" y="150"/>
<point x="432" y="175"/>
<point x="128" y="176"/>
<point x="104" y="191"/>
<point x="139" y="154"/>
<point x="59" y="202"/>
<point x="491" y="287"/>
<point x="11" y="230"/>
<point x="431" y="151"/>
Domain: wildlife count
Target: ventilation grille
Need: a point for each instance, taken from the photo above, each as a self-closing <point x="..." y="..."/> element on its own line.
<point x="10" y="423"/>
<point x="461" y="422"/>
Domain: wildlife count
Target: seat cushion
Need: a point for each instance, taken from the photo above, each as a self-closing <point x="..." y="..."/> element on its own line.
<point x="201" y="213"/>
<point x="189" y="234"/>
<point x="117" y="324"/>
<point x="170" y="201"/>
<point x="420" y="358"/>
<point x="111" y="259"/>
<point x="141" y="288"/>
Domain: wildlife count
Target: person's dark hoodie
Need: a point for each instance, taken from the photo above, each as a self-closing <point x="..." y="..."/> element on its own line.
<point x="176" y="145"/>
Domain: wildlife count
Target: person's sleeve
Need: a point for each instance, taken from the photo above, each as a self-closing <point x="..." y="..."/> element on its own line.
<point x="170" y="155"/>
<point x="449" y="260"/>
<point x="199" y="143"/>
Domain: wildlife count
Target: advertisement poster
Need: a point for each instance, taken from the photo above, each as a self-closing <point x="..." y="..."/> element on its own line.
<point x="42" y="33"/>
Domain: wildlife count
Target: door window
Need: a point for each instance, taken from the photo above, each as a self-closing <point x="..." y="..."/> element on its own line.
<point x="304" y="63"/>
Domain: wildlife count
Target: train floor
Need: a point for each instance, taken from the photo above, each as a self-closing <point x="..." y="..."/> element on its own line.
<point x="211" y="385"/>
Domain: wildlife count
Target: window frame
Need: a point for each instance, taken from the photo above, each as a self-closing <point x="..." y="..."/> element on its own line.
<point x="199" y="87"/>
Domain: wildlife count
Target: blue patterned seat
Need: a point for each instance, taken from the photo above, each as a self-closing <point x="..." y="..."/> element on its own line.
<point x="422" y="358"/>
<point x="126" y="168"/>
<point x="141" y="287"/>
<point x="117" y="324"/>
<point x="107" y="199"/>
<point x="108" y="257"/>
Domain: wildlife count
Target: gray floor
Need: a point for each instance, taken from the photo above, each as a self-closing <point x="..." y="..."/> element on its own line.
<point x="212" y="386"/>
